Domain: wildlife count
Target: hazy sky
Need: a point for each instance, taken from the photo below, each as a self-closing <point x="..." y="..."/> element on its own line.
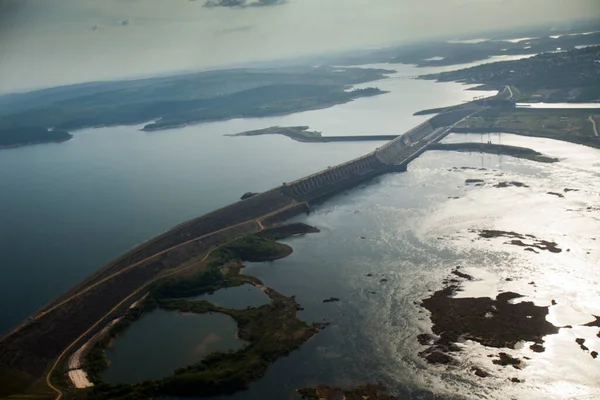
<point x="52" y="42"/>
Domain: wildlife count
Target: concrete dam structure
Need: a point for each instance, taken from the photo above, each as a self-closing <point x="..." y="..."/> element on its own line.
<point x="55" y="331"/>
<point x="394" y="156"/>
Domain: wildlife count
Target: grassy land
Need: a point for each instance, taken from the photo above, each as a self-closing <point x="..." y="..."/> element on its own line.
<point x="569" y="125"/>
<point x="272" y="331"/>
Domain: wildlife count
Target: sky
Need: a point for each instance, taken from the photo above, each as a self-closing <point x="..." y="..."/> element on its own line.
<point x="46" y="43"/>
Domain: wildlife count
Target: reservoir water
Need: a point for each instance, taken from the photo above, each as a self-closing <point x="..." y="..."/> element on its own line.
<point x="161" y="341"/>
<point x="70" y="207"/>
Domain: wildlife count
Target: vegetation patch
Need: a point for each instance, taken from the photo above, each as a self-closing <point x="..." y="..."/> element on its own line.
<point x="271" y="331"/>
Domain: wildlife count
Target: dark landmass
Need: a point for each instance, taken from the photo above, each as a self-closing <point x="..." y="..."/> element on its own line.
<point x="571" y="76"/>
<point x="272" y="331"/>
<point x="514" y="151"/>
<point x="262" y="102"/>
<point x="596" y="322"/>
<point x="491" y="322"/>
<point x="302" y="134"/>
<point x="247" y="195"/>
<point x="437" y="53"/>
<point x="182" y="99"/>
<point x="569" y="125"/>
<point x="471" y="180"/>
<point x="517" y="240"/>
<point x="23" y="136"/>
<point x="511" y="183"/>
<point x="506" y="359"/>
<point x="365" y="392"/>
<point x="331" y="300"/>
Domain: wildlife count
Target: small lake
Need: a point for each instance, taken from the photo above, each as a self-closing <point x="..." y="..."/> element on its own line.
<point x="238" y="297"/>
<point x="558" y="105"/>
<point x="162" y="341"/>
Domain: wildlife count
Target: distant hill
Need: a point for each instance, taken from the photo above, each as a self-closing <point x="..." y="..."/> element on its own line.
<point x="176" y="100"/>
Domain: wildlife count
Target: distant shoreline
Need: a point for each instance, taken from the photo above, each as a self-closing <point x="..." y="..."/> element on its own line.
<point x="14" y="146"/>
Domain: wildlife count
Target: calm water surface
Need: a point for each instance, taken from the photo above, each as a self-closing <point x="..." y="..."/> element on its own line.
<point x="157" y="344"/>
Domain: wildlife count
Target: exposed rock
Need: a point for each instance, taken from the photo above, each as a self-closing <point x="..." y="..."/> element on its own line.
<point x="426" y="339"/>
<point x="594" y="354"/>
<point x="331" y="300"/>
<point x="470" y="181"/>
<point x="369" y="274"/>
<point x="515" y="380"/>
<point x="596" y="322"/>
<point x="462" y="274"/>
<point x="556" y="194"/>
<point x="506" y="359"/>
<point x="247" y="195"/>
<point x="567" y="190"/>
<point x="480" y="373"/>
<point x="538" y="348"/>
<point x="511" y="183"/>
<point x="383" y="280"/>
<point x="437" y="357"/>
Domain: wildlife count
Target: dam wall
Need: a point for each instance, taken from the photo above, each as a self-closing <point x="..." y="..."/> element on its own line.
<point x="332" y="180"/>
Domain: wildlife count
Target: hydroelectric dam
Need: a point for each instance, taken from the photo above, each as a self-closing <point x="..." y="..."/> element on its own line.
<point x="43" y="343"/>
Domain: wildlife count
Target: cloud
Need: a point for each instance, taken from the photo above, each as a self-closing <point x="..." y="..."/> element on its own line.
<point x="243" y="3"/>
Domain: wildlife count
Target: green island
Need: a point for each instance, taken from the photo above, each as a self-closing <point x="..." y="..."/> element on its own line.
<point x="272" y="331"/>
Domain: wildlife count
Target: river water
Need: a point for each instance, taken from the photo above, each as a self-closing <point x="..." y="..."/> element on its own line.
<point x="75" y="205"/>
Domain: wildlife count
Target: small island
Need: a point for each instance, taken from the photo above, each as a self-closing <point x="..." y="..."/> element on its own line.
<point x="303" y="134"/>
<point x="24" y="136"/>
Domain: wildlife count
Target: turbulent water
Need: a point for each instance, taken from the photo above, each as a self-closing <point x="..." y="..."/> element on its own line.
<point x="77" y="204"/>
